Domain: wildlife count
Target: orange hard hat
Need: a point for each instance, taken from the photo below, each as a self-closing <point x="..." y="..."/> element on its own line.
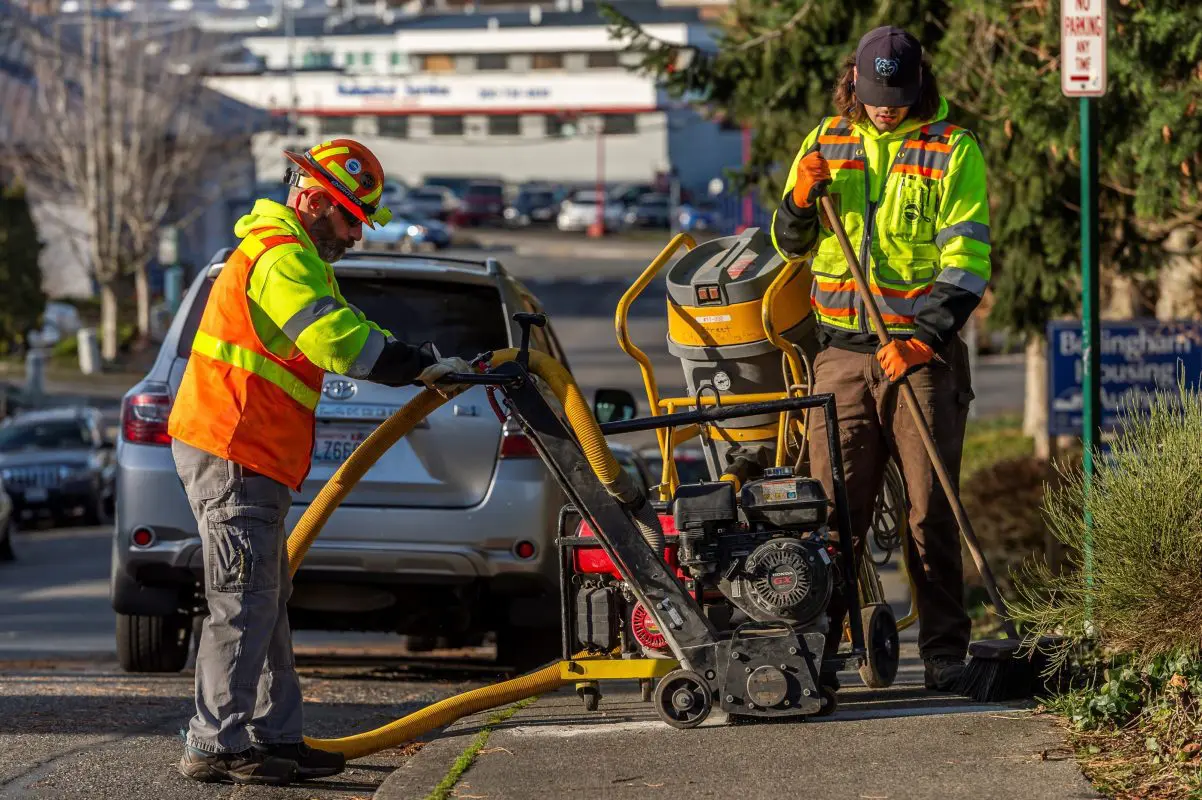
<point x="348" y="172"/>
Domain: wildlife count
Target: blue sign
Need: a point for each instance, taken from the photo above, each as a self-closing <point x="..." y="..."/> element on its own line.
<point x="1139" y="357"/>
<point x="366" y="91"/>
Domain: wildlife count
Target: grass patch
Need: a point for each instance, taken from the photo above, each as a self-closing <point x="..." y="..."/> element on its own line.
<point x="993" y="439"/>
<point x="468" y="757"/>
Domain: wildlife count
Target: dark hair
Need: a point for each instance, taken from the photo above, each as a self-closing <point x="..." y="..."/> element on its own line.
<point x="847" y="104"/>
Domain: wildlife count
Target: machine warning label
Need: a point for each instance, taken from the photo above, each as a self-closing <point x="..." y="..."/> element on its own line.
<point x="779" y="491"/>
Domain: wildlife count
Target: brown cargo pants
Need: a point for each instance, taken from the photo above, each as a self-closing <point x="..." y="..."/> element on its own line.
<point x="874" y="424"/>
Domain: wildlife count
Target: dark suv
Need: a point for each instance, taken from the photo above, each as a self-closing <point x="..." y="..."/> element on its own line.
<point x="482" y="203"/>
<point x="57" y="463"/>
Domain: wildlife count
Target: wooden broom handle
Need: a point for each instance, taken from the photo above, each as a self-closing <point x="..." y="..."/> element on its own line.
<point x="924" y="430"/>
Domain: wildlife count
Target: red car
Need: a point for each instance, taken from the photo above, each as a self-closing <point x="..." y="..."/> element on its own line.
<point x="481" y="204"/>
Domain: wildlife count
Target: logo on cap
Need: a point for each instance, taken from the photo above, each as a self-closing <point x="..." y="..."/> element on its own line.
<point x="885" y="67"/>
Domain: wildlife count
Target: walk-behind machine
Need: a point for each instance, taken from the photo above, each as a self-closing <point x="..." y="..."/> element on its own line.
<point x="712" y="593"/>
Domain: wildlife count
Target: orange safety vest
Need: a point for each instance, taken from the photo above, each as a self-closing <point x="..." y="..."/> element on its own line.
<point x="238" y="400"/>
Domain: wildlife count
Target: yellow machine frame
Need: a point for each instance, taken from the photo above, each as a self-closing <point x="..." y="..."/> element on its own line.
<point x="671" y="438"/>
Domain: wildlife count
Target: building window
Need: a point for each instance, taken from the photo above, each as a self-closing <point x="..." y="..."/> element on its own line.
<point x="605" y="59"/>
<point x="439" y="62"/>
<point x="547" y="61"/>
<point x="315" y="59"/>
<point x="336" y="125"/>
<point x="367" y="58"/>
<point x="619" y="124"/>
<point x="504" y="125"/>
<point x="446" y="125"/>
<point x="394" y="125"/>
<point x="492" y="62"/>
<point x="554" y="125"/>
<point x="348" y="60"/>
<point x="394" y="59"/>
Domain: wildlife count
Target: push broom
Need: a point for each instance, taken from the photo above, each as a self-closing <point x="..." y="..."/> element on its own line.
<point x="995" y="671"/>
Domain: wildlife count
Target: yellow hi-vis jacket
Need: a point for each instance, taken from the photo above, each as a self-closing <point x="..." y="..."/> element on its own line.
<point x="914" y="203"/>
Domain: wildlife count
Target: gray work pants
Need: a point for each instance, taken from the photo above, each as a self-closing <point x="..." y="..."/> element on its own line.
<point x="246" y="684"/>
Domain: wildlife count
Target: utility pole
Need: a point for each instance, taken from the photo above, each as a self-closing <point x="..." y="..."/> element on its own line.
<point x="597" y="229"/>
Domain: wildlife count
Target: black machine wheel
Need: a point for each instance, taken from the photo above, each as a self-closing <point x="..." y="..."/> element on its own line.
<point x="646" y="687"/>
<point x="682" y="699"/>
<point x="830" y="701"/>
<point x="153" y="644"/>
<point x="880" y="641"/>
<point x="591" y="695"/>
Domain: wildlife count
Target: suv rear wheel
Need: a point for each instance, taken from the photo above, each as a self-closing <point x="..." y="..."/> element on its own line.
<point x="153" y="644"/>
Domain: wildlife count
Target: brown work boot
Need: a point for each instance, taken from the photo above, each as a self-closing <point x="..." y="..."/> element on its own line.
<point x="942" y="673"/>
<point x="310" y="762"/>
<point x="247" y="766"/>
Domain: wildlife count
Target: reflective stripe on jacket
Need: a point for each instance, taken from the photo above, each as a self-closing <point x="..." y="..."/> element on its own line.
<point x="913" y="201"/>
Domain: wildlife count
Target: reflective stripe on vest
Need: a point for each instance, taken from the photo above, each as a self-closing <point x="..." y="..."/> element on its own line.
<point x="925" y="153"/>
<point x="257" y="364"/>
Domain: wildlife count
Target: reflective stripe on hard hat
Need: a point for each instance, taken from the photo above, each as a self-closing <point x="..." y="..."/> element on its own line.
<point x="257" y="364"/>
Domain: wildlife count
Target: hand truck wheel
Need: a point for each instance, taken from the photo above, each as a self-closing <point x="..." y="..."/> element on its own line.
<point x="590" y="694"/>
<point x="682" y="699"/>
<point x="880" y="641"/>
<point x="646" y="687"/>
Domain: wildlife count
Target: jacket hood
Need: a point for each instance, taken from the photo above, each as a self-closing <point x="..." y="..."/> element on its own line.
<point x="907" y="127"/>
<point x="270" y="213"/>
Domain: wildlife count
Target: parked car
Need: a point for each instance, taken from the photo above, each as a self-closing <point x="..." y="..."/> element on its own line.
<point x="430" y="202"/>
<point x="698" y="217"/>
<point x="579" y="211"/>
<point x="532" y="206"/>
<point x="629" y="194"/>
<point x="57" y="463"/>
<point x="8" y="526"/>
<point x="450" y="534"/>
<point x="482" y="203"/>
<point x="408" y="233"/>
<point x="650" y="211"/>
<point x="690" y="464"/>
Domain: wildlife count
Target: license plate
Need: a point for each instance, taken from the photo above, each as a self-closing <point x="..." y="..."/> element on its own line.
<point x="334" y="447"/>
<point x="36" y="495"/>
<point x="363" y="411"/>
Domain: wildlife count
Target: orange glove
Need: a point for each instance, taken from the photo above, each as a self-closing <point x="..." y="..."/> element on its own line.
<point x="813" y="175"/>
<point x="902" y="356"/>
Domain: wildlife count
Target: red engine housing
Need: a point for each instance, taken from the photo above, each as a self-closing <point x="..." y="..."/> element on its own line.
<point x="594" y="561"/>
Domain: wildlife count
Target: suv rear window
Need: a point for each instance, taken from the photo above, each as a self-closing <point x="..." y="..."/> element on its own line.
<point x="462" y="319"/>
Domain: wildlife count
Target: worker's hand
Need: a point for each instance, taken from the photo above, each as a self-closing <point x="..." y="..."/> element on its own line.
<point x="432" y="374"/>
<point x="902" y="356"/>
<point x="813" y="176"/>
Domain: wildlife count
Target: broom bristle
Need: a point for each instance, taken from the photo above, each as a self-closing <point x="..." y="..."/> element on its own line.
<point x="996" y="672"/>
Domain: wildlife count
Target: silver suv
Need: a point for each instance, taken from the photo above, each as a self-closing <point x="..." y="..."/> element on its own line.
<point x="449" y="536"/>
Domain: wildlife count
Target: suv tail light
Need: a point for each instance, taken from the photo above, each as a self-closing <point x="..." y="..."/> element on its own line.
<point x="144" y="416"/>
<point x="515" y="444"/>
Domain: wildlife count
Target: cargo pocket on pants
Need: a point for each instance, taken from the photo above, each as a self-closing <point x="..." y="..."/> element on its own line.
<point x="244" y="547"/>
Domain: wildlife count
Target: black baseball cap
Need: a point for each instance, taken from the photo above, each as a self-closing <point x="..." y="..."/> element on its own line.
<point x="889" y="68"/>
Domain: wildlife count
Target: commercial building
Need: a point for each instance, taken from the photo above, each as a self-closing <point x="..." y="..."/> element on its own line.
<point x="520" y="95"/>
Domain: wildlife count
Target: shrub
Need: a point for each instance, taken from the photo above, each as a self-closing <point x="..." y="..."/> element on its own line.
<point x="1143" y="600"/>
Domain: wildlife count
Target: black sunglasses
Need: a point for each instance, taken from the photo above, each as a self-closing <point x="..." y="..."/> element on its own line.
<point x="350" y="218"/>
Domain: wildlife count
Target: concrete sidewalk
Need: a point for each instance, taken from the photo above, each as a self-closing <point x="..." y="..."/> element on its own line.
<point x="900" y="742"/>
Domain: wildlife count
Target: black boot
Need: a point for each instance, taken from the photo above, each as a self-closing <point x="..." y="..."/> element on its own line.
<point x="942" y="673"/>
<point x="249" y="766"/>
<point x="310" y="762"/>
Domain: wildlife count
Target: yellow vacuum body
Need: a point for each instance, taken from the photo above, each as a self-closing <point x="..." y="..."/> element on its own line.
<point x="716" y="296"/>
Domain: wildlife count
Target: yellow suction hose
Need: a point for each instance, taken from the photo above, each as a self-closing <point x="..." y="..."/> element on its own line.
<point x="444" y="712"/>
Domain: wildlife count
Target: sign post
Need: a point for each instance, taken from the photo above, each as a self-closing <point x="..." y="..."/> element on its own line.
<point x="1083" y="75"/>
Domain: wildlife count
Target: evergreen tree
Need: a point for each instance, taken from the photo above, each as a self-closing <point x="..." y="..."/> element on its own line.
<point x="775" y="64"/>
<point x="22" y="299"/>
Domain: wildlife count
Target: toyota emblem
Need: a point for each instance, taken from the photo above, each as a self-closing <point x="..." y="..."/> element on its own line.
<point x="339" y="389"/>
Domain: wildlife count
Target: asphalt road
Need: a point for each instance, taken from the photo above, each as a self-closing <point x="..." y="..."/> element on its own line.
<point x="73" y="725"/>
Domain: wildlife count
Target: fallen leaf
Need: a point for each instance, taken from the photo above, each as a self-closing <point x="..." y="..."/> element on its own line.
<point x="489" y="750"/>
